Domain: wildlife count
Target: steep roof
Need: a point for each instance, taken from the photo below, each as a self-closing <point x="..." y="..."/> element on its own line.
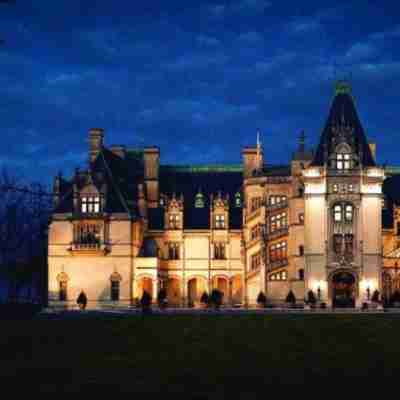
<point x="343" y="114"/>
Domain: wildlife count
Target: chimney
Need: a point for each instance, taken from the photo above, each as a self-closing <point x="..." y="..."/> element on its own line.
<point x="151" y="158"/>
<point x="253" y="159"/>
<point x="372" y="147"/>
<point x="96" y="136"/>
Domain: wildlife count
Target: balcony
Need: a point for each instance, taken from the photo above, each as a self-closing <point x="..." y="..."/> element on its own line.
<point x="272" y="265"/>
<point x="88" y="248"/>
<point x="276" y="234"/>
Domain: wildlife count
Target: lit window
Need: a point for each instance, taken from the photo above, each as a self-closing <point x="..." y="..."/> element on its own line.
<point x="337" y="213"/>
<point x="173" y="221"/>
<point x="255" y="204"/>
<point x="87" y="235"/>
<point x="343" y="161"/>
<point x="335" y="188"/>
<point x="278" y="276"/>
<point x="90" y="204"/>
<point x="219" y="221"/>
<point x="349" y="213"/>
<point x="351" y="188"/>
<point x="255" y="261"/>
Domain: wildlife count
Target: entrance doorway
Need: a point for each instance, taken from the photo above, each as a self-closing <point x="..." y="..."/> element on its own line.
<point x="343" y="289"/>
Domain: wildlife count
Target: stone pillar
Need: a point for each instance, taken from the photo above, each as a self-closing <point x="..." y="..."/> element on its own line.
<point x="155" y="289"/>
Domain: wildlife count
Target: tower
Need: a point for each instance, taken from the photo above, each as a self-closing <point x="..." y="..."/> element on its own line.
<point x="343" y="189"/>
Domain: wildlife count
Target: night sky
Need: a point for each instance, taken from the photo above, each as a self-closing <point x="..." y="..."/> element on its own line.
<point x="197" y="78"/>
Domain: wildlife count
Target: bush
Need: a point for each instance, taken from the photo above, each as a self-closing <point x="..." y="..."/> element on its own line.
<point x="291" y="298"/>
<point x="204" y="298"/>
<point x="261" y="299"/>
<point x="395" y="297"/>
<point x="364" y="306"/>
<point x="216" y="298"/>
<point x="323" y="305"/>
<point x="311" y="299"/>
<point x="145" y="301"/>
<point x="162" y="298"/>
<point x="375" y="296"/>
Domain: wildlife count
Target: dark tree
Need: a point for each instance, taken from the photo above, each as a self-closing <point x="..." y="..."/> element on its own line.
<point x="82" y="300"/>
<point x="311" y="299"/>
<point x="162" y="298"/>
<point x="204" y="298"/>
<point x="261" y="299"/>
<point x="145" y="301"/>
<point x="375" y="296"/>
<point x="395" y="297"/>
<point x="291" y="298"/>
<point x="216" y="298"/>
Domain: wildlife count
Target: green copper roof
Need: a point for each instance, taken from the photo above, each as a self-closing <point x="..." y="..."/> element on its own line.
<point x="204" y="168"/>
<point x="391" y="170"/>
<point x="342" y="87"/>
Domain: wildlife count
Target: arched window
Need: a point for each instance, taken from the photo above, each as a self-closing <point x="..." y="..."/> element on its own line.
<point x="301" y="250"/>
<point x="301" y="274"/>
<point x="114" y="290"/>
<point x="337" y="213"/>
<point x="349" y="213"/>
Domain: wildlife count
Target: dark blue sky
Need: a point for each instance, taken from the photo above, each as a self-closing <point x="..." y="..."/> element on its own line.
<point x="196" y="78"/>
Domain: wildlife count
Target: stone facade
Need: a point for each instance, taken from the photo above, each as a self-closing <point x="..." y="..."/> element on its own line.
<point x="128" y="223"/>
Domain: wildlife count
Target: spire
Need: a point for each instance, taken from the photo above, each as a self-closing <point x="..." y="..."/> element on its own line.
<point x="343" y="125"/>
<point x="258" y="156"/>
<point x="302" y="141"/>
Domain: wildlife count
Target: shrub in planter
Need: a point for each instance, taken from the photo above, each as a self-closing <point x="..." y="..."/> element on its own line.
<point x="291" y="298"/>
<point x="204" y="299"/>
<point x="261" y="299"/>
<point x="216" y="298"/>
<point x="162" y="298"/>
<point x="364" y="306"/>
<point x="311" y="299"/>
<point x="145" y="301"/>
<point x="323" y="305"/>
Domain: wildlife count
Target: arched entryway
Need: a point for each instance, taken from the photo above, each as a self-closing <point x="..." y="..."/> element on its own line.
<point x="343" y="289"/>
<point x="221" y="283"/>
<point x="174" y="291"/>
<point x="144" y="284"/>
<point x="196" y="287"/>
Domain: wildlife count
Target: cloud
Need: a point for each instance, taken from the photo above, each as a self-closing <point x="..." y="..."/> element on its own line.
<point x="207" y="41"/>
<point x="250" y="37"/>
<point x="205" y="111"/>
<point x="197" y="61"/>
<point x="360" y="51"/>
<point x="240" y="6"/>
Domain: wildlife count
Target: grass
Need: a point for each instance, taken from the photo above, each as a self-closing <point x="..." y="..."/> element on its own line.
<point x="197" y="355"/>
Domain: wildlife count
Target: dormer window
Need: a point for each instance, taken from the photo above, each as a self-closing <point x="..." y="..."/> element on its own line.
<point x="220" y="221"/>
<point x="238" y="200"/>
<point x="343" y="161"/>
<point x="173" y="221"/>
<point x="199" y="201"/>
<point x="90" y="204"/>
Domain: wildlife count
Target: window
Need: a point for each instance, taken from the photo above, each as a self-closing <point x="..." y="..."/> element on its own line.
<point x="278" y="251"/>
<point x="90" y="204"/>
<point x="238" y="200"/>
<point x="255" y="232"/>
<point x="277" y="199"/>
<point x="350" y="188"/>
<point x="87" y="235"/>
<point x="115" y="290"/>
<point x="255" y="204"/>
<point x="220" y="221"/>
<point x="301" y="274"/>
<point x="62" y="294"/>
<point x="255" y="261"/>
<point x="335" y="188"/>
<point x="349" y="213"/>
<point x="301" y="250"/>
<point x="337" y="243"/>
<point x="278" y="221"/>
<point x="337" y="213"/>
<point x="348" y="240"/>
<point x="343" y="161"/>
<point x="173" y="221"/>
<point x="219" y="251"/>
<point x="173" y="251"/>
<point x="278" y="276"/>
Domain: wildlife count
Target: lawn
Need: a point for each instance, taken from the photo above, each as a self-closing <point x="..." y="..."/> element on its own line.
<point x="198" y="356"/>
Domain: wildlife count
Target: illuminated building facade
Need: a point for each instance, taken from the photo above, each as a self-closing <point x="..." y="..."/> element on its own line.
<point x="327" y="222"/>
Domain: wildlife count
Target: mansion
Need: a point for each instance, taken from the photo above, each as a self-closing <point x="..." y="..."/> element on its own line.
<point x="327" y="222"/>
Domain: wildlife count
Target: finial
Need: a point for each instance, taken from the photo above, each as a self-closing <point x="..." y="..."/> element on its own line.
<point x="342" y="87"/>
<point x="302" y="141"/>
